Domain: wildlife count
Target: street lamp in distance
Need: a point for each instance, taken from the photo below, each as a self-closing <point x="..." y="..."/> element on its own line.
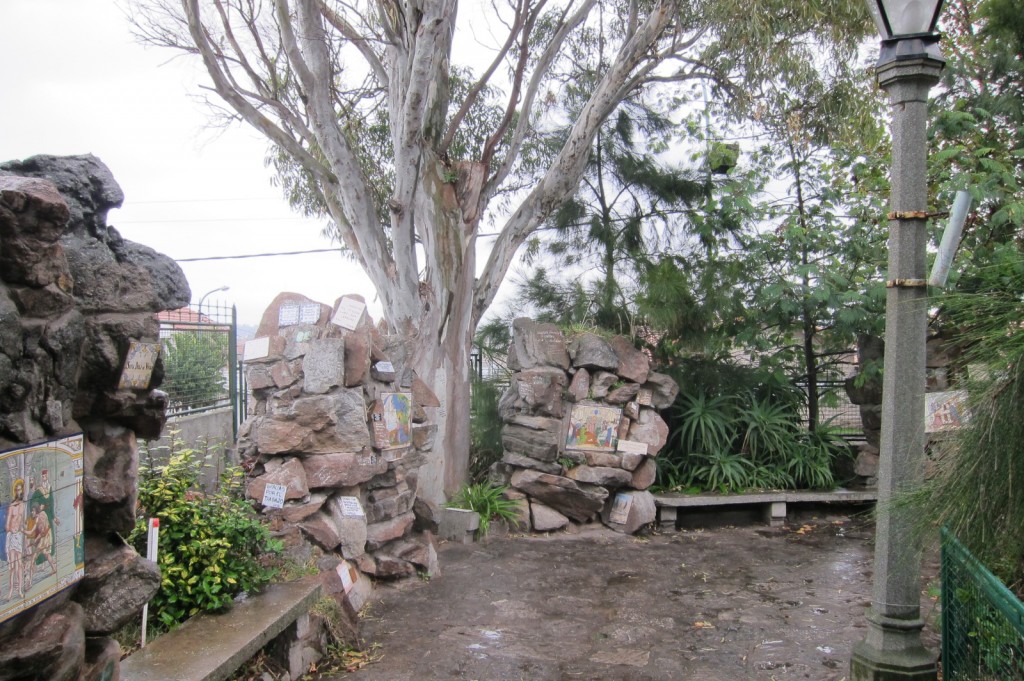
<point x="909" y="65"/>
<point x="204" y="296"/>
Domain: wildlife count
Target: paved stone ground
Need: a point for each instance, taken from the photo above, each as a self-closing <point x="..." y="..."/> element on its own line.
<point x="717" y="605"/>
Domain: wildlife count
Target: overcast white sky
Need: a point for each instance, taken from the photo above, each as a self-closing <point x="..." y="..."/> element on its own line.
<point x="74" y="82"/>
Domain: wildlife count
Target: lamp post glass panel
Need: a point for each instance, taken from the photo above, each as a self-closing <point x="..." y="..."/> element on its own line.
<point x="909" y="65"/>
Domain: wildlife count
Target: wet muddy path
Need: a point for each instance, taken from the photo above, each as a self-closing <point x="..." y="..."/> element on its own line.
<point x="717" y="605"/>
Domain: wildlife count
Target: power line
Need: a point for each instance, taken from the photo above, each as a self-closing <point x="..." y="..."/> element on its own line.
<point x="256" y="255"/>
<point x="202" y="220"/>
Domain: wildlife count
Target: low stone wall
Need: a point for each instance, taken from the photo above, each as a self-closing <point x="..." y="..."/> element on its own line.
<point x="343" y="431"/>
<point x="581" y="429"/>
<point x="73" y="295"/>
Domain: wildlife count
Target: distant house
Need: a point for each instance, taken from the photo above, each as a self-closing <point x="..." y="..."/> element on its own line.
<point x="182" y="319"/>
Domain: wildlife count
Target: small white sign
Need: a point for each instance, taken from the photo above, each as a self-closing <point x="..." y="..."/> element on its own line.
<point x="350" y="507"/>
<point x="632" y="447"/>
<point x="385" y="367"/>
<point x="273" y="496"/>
<point x="347" y="575"/>
<point x="288" y="315"/>
<point x="309" y="313"/>
<point x="350" y="311"/>
<point x="257" y="348"/>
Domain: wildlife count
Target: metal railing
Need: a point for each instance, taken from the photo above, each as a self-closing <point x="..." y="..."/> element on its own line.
<point x="982" y="620"/>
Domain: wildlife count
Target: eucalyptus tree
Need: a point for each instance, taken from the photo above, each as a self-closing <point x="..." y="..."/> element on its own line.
<point x="313" y="75"/>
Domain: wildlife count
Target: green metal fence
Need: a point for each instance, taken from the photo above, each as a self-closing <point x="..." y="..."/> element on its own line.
<point x="982" y="621"/>
<point x="200" y="356"/>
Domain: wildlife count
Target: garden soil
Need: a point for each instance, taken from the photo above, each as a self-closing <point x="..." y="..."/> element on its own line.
<point x="721" y="604"/>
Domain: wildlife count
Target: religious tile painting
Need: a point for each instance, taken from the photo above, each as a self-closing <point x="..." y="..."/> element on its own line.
<point x="41" y="549"/>
<point x="397" y="415"/>
<point x="592" y="427"/>
<point x="945" y="410"/>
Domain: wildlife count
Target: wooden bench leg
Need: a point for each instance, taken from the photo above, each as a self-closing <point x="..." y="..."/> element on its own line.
<point x="667" y="518"/>
<point x="775" y="513"/>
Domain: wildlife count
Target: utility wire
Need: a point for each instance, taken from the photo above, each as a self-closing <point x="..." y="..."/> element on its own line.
<point x="256" y="255"/>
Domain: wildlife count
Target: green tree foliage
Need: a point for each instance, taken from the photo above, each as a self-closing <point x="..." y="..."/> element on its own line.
<point x="194" y="362"/>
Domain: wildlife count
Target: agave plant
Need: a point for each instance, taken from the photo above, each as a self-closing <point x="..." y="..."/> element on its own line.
<point x="706" y="424"/>
<point x="724" y="472"/>
<point x="771" y="430"/>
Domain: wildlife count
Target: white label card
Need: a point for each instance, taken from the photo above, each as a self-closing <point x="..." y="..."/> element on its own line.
<point x="350" y="311"/>
<point x="632" y="447"/>
<point x="273" y="496"/>
<point x="257" y="348"/>
<point x="351" y="507"/>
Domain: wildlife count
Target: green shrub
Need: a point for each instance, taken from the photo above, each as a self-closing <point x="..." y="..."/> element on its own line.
<point x="487" y="500"/>
<point x="212" y="545"/>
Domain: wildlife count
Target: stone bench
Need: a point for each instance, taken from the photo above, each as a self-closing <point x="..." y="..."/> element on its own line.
<point x="210" y="647"/>
<point x="773" y="504"/>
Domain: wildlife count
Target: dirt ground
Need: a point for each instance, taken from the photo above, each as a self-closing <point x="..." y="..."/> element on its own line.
<point x="722" y="604"/>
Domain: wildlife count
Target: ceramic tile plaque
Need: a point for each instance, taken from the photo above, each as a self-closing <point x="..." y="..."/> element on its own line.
<point x="945" y="411"/>
<point x="273" y="495"/>
<point x="287" y="315"/>
<point x="593" y="427"/>
<point x="396" y="415"/>
<point x="138" y="365"/>
<point x="620" y="508"/>
<point x="41" y="550"/>
<point x="309" y="313"/>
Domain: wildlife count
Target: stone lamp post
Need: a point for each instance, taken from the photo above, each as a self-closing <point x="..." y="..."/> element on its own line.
<point x="909" y="65"/>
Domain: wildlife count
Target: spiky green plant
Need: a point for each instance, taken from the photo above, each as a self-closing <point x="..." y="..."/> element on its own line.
<point x="489" y="502"/>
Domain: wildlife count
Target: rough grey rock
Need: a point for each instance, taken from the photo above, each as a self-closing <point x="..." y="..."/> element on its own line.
<point x="664" y="390"/>
<point x="117" y="583"/>
<point x="644" y="474"/>
<point x="51" y="649"/>
<point x="536" y="444"/>
<point x="111" y="459"/>
<point x="642" y="511"/>
<point x="602" y="381"/>
<point x="378" y="534"/>
<point x="633" y="364"/>
<point x="545" y="518"/>
<point x="622" y="394"/>
<point x="521" y="461"/>
<point x="600" y="475"/>
<point x="593" y="352"/>
<point x="342" y="469"/>
<point x="290" y="474"/>
<point x="651" y="429"/>
<point x="539" y="345"/>
<point x="541" y="389"/>
<point x="323" y="366"/>
<point x="578" y="501"/>
<point x="579" y="387"/>
<point x="316" y="424"/>
<point x="351" y="528"/>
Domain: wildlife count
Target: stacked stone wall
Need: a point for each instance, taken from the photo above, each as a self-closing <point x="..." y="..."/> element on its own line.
<point x="316" y="427"/>
<point x="555" y="462"/>
<point x="73" y="295"/>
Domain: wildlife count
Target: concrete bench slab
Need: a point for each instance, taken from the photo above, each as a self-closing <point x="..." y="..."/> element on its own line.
<point x="774" y="503"/>
<point x="210" y="647"/>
